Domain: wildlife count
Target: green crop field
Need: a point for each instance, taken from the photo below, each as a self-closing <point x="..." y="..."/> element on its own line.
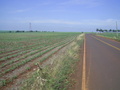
<point x="115" y="36"/>
<point x="20" y="52"/>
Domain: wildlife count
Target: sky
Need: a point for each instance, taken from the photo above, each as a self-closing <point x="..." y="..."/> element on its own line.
<point x="59" y="15"/>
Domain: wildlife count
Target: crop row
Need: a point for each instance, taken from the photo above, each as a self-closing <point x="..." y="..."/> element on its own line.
<point x="36" y="42"/>
<point x="25" y="48"/>
<point x="12" y="61"/>
<point x="25" y="56"/>
<point x="28" y="47"/>
<point x="5" y="81"/>
<point x="25" y="61"/>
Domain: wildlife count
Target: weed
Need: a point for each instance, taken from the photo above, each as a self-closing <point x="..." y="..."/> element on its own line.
<point x="28" y="68"/>
<point x="3" y="82"/>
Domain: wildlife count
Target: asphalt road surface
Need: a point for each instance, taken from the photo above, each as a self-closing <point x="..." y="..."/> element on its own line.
<point x="102" y="63"/>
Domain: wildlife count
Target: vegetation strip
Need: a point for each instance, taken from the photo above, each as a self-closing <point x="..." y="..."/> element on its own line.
<point x="84" y="68"/>
<point x="115" y="36"/>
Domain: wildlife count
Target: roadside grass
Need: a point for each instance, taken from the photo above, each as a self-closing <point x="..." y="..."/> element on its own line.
<point x="55" y="76"/>
<point x="115" y="36"/>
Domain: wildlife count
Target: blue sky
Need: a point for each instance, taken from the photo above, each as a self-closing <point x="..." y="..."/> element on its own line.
<point x="59" y="15"/>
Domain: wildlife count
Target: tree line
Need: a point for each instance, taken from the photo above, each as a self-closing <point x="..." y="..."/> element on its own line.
<point x="101" y="30"/>
<point x="21" y="31"/>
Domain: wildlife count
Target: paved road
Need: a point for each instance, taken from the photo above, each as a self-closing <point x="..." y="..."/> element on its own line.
<point x="102" y="63"/>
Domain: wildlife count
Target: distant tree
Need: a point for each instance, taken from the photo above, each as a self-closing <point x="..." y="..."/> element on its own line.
<point x="30" y="31"/>
<point x="110" y="30"/>
<point x="101" y="30"/>
<point x="105" y="30"/>
<point x="114" y="30"/>
<point x="17" y="31"/>
<point x="97" y="30"/>
<point x="10" y="31"/>
<point x="117" y="30"/>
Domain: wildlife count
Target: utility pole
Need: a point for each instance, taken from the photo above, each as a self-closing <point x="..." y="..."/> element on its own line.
<point x="116" y="29"/>
<point x="30" y="27"/>
<point x="116" y="26"/>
